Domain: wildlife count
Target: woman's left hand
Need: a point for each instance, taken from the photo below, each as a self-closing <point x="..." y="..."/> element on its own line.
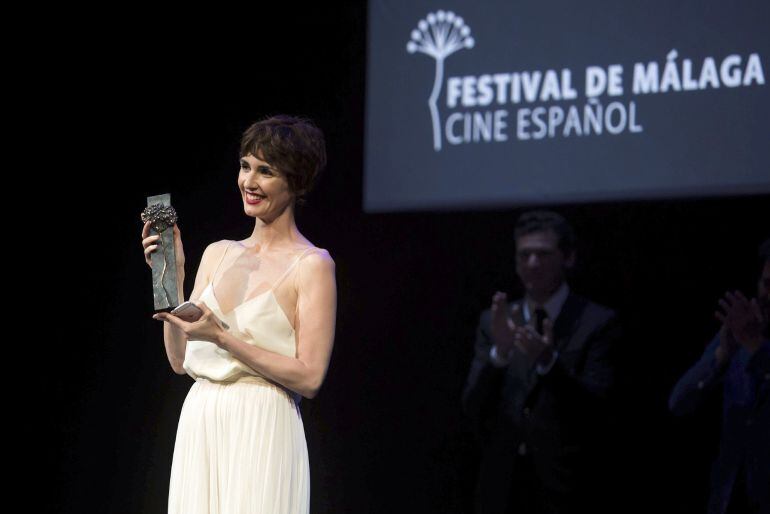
<point x="207" y="328"/>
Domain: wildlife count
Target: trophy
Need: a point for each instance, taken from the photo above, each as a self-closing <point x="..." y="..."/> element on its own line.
<point x="162" y="217"/>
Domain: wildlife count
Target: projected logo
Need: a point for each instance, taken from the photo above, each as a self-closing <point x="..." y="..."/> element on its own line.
<point x="439" y="35"/>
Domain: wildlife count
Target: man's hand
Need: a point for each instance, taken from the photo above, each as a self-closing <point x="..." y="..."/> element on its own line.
<point x="503" y="327"/>
<point x="532" y="344"/>
<point x="742" y="319"/>
<point x="727" y="345"/>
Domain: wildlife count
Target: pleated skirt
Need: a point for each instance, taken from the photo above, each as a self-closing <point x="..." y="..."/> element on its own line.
<point x="240" y="449"/>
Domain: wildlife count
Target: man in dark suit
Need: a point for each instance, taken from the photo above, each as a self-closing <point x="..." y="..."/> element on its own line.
<point x="737" y="363"/>
<point x="539" y="382"/>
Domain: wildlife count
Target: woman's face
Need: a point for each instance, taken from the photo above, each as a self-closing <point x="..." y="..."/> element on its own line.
<point x="271" y="193"/>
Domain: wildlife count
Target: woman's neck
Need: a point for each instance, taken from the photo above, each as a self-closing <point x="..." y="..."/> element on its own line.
<point x="279" y="232"/>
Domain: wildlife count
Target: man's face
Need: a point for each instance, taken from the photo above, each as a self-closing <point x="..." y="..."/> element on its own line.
<point x="540" y="263"/>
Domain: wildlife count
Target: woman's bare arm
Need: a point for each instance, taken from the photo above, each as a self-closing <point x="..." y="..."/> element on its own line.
<point x="174" y="337"/>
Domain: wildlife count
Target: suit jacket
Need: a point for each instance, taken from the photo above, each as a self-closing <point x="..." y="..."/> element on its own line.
<point x="557" y="415"/>
<point x="745" y="435"/>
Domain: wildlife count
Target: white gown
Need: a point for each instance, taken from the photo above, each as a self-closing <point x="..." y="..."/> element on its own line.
<point x="240" y="445"/>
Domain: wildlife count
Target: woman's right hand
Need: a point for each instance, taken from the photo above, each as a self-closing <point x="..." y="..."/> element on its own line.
<point x="151" y="243"/>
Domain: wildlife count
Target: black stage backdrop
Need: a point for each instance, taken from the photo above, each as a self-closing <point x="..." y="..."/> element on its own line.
<point x="160" y="107"/>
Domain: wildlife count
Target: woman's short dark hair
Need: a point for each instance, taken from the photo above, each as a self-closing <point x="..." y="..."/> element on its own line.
<point x="293" y="145"/>
<point x="542" y="221"/>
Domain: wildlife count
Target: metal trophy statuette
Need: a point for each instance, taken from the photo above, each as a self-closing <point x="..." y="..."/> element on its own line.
<point x="162" y="217"/>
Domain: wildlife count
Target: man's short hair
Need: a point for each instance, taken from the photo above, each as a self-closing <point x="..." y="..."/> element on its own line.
<point x="542" y="221"/>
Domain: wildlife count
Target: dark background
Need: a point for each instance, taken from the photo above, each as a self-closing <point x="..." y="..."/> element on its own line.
<point x="149" y="104"/>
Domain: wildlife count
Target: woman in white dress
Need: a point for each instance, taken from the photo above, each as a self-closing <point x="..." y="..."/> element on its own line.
<point x="264" y="339"/>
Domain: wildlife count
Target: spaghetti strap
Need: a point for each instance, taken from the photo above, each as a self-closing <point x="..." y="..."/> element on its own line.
<point x="291" y="267"/>
<point x="229" y="244"/>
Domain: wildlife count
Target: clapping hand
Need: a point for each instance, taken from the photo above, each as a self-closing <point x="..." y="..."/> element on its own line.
<point x="503" y="327"/>
<point x="532" y="344"/>
<point x="506" y="334"/>
<point x="741" y="319"/>
<point x="207" y="328"/>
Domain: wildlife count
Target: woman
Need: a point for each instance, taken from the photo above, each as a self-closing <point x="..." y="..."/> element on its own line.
<point x="240" y="446"/>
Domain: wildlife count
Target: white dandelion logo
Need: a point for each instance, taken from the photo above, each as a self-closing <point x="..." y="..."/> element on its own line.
<point x="439" y="35"/>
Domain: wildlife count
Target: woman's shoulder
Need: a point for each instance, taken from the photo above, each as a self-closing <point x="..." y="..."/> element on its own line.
<point x="215" y="250"/>
<point x="218" y="247"/>
<point x="316" y="270"/>
<point x="313" y="254"/>
<point x="315" y="258"/>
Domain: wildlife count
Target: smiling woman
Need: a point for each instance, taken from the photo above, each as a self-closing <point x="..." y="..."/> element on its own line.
<point x="240" y="445"/>
<point x="292" y="145"/>
<point x="263" y="185"/>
